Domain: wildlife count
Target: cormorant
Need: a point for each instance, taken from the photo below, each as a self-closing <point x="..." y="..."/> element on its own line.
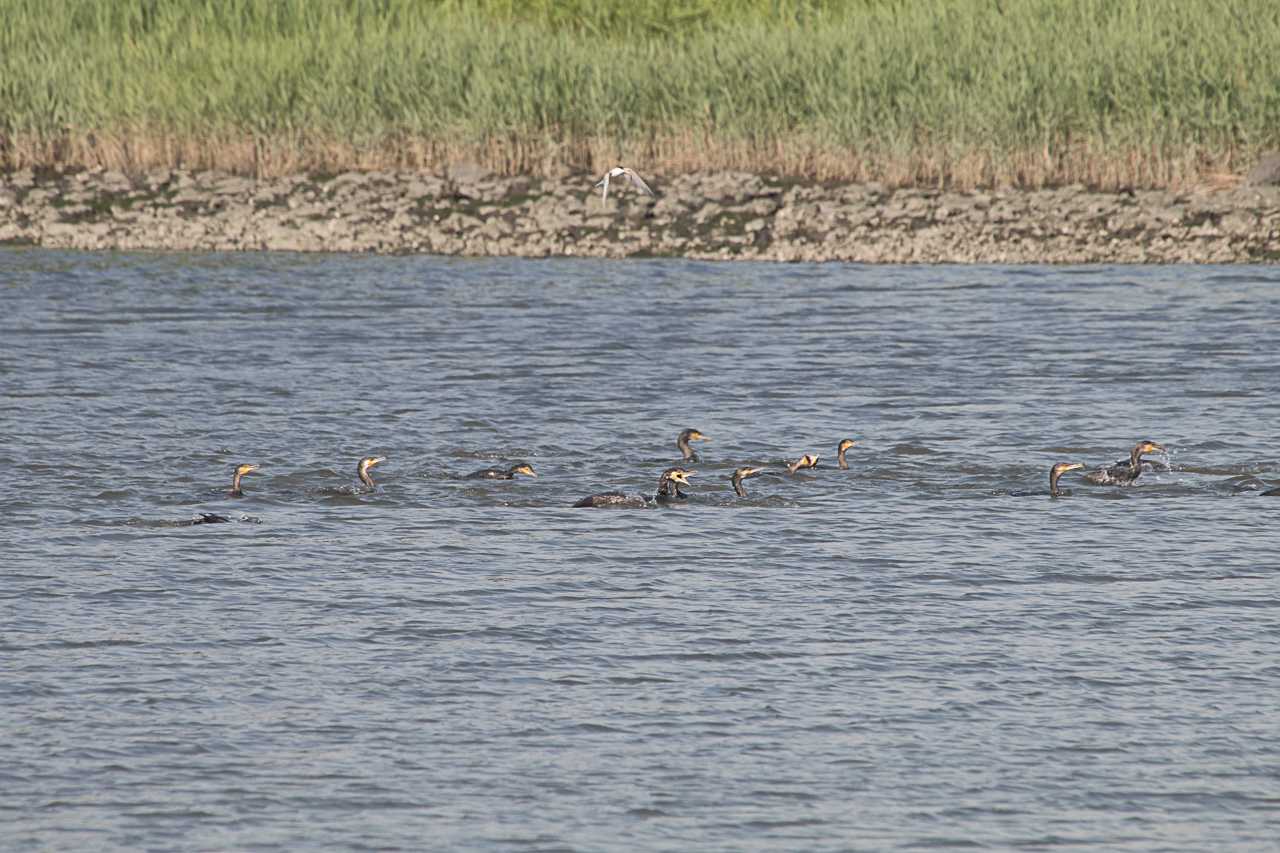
<point x="741" y="474"/>
<point x="683" y="440"/>
<point x="1124" y="472"/>
<point x="1054" y="473"/>
<point x="1057" y="471"/>
<point x="214" y="518"/>
<point x="362" y="469"/>
<point x="241" y="470"/>
<point x="209" y="518"/>
<point x="503" y="473"/>
<point x="806" y="461"/>
<point x="845" y="444"/>
<point x="668" y="491"/>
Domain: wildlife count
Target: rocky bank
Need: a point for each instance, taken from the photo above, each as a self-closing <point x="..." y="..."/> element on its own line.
<point x="711" y="216"/>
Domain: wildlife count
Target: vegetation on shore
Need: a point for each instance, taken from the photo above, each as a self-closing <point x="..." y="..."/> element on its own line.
<point x="958" y="92"/>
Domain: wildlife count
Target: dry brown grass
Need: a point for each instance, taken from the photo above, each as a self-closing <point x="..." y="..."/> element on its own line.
<point x="140" y="150"/>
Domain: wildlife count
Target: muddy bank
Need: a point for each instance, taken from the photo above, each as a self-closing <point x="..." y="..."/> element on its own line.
<point x="715" y="216"/>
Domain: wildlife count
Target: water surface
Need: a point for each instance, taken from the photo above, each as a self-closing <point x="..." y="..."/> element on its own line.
<point x="905" y="655"/>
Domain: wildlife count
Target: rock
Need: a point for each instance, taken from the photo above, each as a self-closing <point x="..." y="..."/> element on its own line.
<point x="1266" y="172"/>
<point x="697" y="216"/>
<point x="114" y="182"/>
<point x="467" y="172"/>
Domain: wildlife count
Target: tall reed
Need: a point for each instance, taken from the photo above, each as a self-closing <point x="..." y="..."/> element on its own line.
<point x="959" y="92"/>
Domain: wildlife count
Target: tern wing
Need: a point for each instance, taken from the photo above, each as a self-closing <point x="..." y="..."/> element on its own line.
<point x="637" y="181"/>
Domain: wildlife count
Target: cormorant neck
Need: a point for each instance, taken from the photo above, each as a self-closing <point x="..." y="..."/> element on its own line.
<point x="737" y="486"/>
<point x="364" y="476"/>
<point x="844" y="466"/>
<point x="1053" y="483"/>
<point x="1135" y="458"/>
<point x="689" y="454"/>
<point x="235" y="485"/>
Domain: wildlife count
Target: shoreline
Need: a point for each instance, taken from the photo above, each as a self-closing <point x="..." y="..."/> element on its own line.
<point x="711" y="216"/>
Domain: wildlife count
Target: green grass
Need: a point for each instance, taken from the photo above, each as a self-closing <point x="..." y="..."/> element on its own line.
<point x="947" y="91"/>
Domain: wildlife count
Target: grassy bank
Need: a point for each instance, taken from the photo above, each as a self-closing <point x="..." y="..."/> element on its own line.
<point x="1028" y="92"/>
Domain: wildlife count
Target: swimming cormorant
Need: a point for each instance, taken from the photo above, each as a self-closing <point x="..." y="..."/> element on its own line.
<point x="1124" y="472"/>
<point x="668" y="491"/>
<point x="362" y="469"/>
<point x="241" y="470"/>
<point x="209" y="518"/>
<point x="806" y="461"/>
<point x="683" y="440"/>
<point x="1057" y="471"/>
<point x="741" y="474"/>
<point x="845" y="444"/>
<point x="503" y="473"/>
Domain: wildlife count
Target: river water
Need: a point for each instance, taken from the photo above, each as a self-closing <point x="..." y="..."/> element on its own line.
<point x="905" y="655"/>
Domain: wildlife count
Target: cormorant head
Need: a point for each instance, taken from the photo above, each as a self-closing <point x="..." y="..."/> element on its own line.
<point x="523" y="468"/>
<point x="241" y="470"/>
<point x="682" y="442"/>
<point x="1063" y="467"/>
<point x="1149" y="447"/>
<point x="1057" y="471"/>
<point x="677" y="475"/>
<point x="741" y="474"/>
<point x="845" y="444"/>
<point x="368" y="462"/>
<point x="806" y="461"/>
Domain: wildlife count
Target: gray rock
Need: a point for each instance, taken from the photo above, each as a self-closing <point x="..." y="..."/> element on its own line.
<point x="698" y="216"/>
<point x="466" y="172"/>
<point x="1266" y="172"/>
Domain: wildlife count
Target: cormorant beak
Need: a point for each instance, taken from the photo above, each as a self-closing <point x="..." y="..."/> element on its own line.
<point x="377" y="460"/>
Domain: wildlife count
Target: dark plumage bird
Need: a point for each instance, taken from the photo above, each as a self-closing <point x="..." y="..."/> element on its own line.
<point x="809" y="460"/>
<point x="209" y="518"/>
<point x="682" y="442"/>
<point x="1057" y="471"/>
<point x="1054" y="474"/>
<point x="741" y="474"/>
<point x="1126" y="471"/>
<point x="503" y="473"/>
<point x="845" y="444"/>
<point x="363" y="466"/>
<point x="668" y="491"/>
<point x="241" y="470"/>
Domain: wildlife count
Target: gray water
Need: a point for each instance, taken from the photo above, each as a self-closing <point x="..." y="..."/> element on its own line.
<point x="905" y="655"/>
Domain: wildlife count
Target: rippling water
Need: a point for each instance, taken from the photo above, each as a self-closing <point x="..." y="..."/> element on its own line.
<point x="904" y="655"/>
